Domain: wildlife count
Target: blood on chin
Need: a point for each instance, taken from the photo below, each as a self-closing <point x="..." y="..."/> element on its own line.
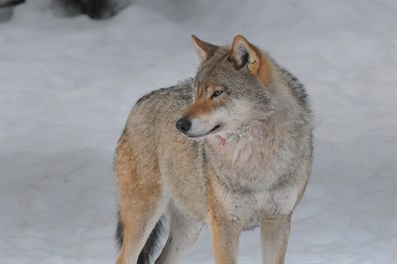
<point x="222" y="140"/>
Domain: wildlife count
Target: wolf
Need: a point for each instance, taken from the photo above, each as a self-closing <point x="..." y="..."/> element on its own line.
<point x="231" y="148"/>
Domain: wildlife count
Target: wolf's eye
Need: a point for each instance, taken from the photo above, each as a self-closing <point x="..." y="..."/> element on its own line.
<point x="216" y="94"/>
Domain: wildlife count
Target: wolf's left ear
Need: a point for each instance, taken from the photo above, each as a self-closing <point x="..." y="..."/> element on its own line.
<point x="245" y="54"/>
<point x="203" y="49"/>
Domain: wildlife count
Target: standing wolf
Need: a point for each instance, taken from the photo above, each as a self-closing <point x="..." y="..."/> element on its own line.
<point x="231" y="148"/>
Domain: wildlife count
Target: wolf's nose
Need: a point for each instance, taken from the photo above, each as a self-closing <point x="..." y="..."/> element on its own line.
<point x="183" y="124"/>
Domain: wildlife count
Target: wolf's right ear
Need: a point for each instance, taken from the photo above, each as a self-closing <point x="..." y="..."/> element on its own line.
<point x="203" y="49"/>
<point x="244" y="53"/>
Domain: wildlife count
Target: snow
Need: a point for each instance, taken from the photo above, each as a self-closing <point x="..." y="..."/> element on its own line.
<point x="68" y="84"/>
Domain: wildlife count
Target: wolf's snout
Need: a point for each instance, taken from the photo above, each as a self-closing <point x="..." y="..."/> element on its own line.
<point x="183" y="125"/>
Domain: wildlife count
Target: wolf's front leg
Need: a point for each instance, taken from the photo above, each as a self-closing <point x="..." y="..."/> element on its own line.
<point x="275" y="233"/>
<point x="225" y="236"/>
<point x="225" y="240"/>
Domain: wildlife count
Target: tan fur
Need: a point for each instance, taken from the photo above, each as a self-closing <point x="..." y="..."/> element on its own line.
<point x="265" y="72"/>
<point x="202" y="106"/>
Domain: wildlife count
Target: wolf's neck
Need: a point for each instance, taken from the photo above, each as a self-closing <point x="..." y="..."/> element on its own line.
<point x="247" y="145"/>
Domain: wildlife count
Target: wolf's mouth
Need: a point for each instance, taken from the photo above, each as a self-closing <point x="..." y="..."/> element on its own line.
<point x="206" y="134"/>
<point x="215" y="128"/>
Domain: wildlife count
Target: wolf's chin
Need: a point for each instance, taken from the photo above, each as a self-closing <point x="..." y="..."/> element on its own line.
<point x="212" y="131"/>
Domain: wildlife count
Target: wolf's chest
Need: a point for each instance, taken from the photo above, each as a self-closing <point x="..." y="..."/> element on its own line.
<point x="248" y="207"/>
<point x="253" y="178"/>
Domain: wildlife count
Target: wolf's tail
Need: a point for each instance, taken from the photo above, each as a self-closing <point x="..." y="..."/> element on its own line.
<point x="151" y="244"/>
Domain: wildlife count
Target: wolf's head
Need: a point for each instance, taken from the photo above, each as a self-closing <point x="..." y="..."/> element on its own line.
<point x="232" y="89"/>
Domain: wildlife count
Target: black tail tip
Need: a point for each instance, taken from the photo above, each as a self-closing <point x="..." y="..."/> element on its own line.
<point x="119" y="232"/>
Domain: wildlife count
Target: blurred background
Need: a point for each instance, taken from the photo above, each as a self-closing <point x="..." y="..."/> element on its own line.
<point x="71" y="71"/>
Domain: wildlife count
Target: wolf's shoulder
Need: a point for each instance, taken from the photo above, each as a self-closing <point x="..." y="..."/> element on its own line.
<point x="183" y="91"/>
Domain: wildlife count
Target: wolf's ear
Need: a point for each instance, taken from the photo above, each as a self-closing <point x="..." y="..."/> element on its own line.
<point x="203" y="49"/>
<point x="245" y="54"/>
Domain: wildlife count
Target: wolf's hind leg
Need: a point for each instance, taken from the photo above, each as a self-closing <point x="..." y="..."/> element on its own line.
<point x="184" y="231"/>
<point x="137" y="223"/>
<point x="141" y="203"/>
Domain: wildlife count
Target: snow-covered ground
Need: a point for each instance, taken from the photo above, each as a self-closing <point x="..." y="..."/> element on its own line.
<point x="67" y="85"/>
